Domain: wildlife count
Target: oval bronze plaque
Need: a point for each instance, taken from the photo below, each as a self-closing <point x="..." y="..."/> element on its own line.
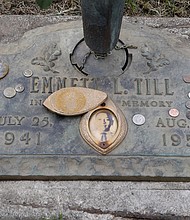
<point x="74" y="100"/>
<point x="104" y="128"/>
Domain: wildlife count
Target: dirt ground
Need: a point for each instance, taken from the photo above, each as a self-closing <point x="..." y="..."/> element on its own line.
<point x="160" y="8"/>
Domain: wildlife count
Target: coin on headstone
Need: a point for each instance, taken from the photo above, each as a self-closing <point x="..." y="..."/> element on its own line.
<point x="28" y="73"/>
<point x="74" y="100"/>
<point x="188" y="114"/>
<point x="188" y="94"/>
<point x="187" y="104"/>
<point x="4" y="69"/>
<point x="186" y="79"/>
<point x="19" y="88"/>
<point x="174" y="112"/>
<point x="139" y="119"/>
<point x="9" y="92"/>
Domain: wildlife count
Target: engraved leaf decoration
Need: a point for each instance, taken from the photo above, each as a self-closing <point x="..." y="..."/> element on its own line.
<point x="44" y="3"/>
<point x="51" y="64"/>
<point x="155" y="59"/>
<point x="50" y="54"/>
<point x="57" y="53"/>
<point x="52" y="58"/>
<point x="146" y="53"/>
<point x="47" y="55"/>
<point x="163" y="61"/>
<point x="46" y="68"/>
<point x="39" y="61"/>
<point x="54" y="55"/>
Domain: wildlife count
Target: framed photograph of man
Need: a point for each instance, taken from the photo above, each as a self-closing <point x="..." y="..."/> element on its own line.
<point x="103" y="125"/>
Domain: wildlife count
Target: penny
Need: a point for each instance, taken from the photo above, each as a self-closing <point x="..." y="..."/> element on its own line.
<point x="186" y="79"/>
<point x="173" y="112"/>
<point x="28" y="73"/>
<point x="9" y="92"/>
<point x="139" y="119"/>
<point x="187" y="104"/>
<point x="4" y="69"/>
<point x="19" y="88"/>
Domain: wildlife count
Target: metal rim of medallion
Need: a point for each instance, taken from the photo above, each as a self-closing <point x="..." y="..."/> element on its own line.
<point x="139" y="119"/>
<point x="9" y="92"/>
<point x="103" y="138"/>
<point x="4" y="69"/>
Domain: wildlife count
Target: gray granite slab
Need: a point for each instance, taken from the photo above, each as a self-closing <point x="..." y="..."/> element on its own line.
<point x="92" y="200"/>
<point x="36" y="143"/>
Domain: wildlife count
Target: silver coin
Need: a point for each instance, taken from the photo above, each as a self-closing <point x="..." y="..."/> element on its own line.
<point x="188" y="114"/>
<point x="188" y="94"/>
<point x="19" y="88"/>
<point x="28" y="73"/>
<point x="174" y="112"/>
<point x="9" y="92"/>
<point x="139" y="119"/>
<point x="187" y="104"/>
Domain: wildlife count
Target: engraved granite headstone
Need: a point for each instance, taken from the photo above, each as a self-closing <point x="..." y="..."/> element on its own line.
<point x="153" y="95"/>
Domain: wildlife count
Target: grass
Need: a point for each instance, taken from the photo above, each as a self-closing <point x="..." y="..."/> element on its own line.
<point x="160" y="8"/>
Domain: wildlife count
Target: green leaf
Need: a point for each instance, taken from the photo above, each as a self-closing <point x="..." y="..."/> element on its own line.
<point x="44" y="3"/>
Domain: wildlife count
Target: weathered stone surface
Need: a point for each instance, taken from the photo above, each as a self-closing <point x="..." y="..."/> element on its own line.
<point x="13" y="27"/>
<point x="152" y="86"/>
<point x="94" y="200"/>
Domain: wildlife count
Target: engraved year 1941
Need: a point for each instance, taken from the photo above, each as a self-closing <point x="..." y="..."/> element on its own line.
<point x="26" y="138"/>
